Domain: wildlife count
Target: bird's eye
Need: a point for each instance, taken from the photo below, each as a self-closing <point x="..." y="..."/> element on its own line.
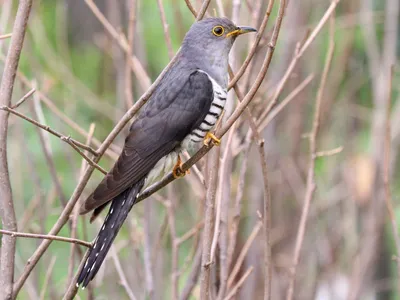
<point x="218" y="30"/>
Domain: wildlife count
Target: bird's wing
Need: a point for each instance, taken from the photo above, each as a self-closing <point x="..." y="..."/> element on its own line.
<point x="167" y="119"/>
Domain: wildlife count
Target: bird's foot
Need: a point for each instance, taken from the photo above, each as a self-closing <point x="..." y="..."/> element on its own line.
<point x="177" y="171"/>
<point x="211" y="138"/>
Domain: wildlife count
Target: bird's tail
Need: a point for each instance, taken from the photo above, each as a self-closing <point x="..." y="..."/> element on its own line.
<point x="119" y="209"/>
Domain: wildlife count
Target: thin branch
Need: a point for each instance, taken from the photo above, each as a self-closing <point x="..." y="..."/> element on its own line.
<point x="310" y="188"/>
<point x="73" y="143"/>
<point x="165" y="25"/>
<point x="137" y="67"/>
<point x="7" y="212"/>
<point x="386" y="176"/>
<point x="22" y="100"/>
<point x="298" y="54"/>
<point x="75" y="215"/>
<point x="193" y="276"/>
<point x="253" y="49"/>
<point x="209" y="225"/>
<point x="285" y="102"/>
<point x="5" y="36"/>
<point x="47" y="277"/>
<point x="46" y="236"/>
<point x="329" y="152"/>
<point x="191" y="8"/>
<point x="243" y="253"/>
<point x="131" y="5"/>
<point x="121" y="273"/>
<point x="239" y="284"/>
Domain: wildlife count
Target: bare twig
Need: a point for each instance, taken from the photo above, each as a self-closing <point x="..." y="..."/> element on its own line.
<point x="165" y="25"/>
<point x="5" y="36"/>
<point x="386" y="175"/>
<point x="22" y="100"/>
<point x="193" y="276"/>
<point x="73" y="143"/>
<point x="209" y="225"/>
<point x="285" y="102"/>
<point x="47" y="277"/>
<point x="45" y="236"/>
<point x="7" y="212"/>
<point x="137" y="67"/>
<point x="75" y="215"/>
<point x="131" y="5"/>
<point x="240" y="282"/>
<point x="296" y="57"/>
<point x="311" y="172"/>
<point x="121" y="273"/>
<point x="253" y="49"/>
<point x="243" y="253"/>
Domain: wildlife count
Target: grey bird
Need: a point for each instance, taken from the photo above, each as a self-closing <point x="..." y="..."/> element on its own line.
<point x="180" y="114"/>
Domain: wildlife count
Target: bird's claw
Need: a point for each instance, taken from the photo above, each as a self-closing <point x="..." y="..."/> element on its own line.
<point x="177" y="171"/>
<point x="211" y="138"/>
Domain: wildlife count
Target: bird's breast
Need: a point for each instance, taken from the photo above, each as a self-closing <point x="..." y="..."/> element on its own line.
<point x="215" y="111"/>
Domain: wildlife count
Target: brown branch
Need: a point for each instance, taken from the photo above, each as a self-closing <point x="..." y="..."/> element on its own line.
<point x="46" y="236"/>
<point x="386" y="176"/>
<point x="253" y="49"/>
<point x="131" y="5"/>
<point x="165" y="25"/>
<point x="209" y="224"/>
<point x="243" y="253"/>
<point x="121" y="273"/>
<point x="191" y="8"/>
<point x="193" y="276"/>
<point x="240" y="282"/>
<point x="136" y="66"/>
<point x="297" y="55"/>
<point x="45" y="145"/>
<point x="310" y="188"/>
<point x="75" y="215"/>
<point x="5" y="36"/>
<point x="47" y="277"/>
<point x="22" y="100"/>
<point x="73" y="143"/>
<point x="7" y="212"/>
<point x="285" y="102"/>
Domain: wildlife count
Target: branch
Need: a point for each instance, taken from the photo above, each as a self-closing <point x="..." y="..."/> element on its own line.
<point x="7" y="212"/>
<point x="310" y="188"/>
<point x="47" y="237"/>
<point x="386" y="177"/>
<point x="209" y="225"/>
<point x="235" y="289"/>
<point x="73" y="143"/>
<point x="5" y="36"/>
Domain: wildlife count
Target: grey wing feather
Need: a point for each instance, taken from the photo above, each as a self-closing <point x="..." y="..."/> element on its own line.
<point x="167" y="119"/>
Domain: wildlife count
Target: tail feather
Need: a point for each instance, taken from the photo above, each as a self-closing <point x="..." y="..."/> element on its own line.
<point x="119" y="209"/>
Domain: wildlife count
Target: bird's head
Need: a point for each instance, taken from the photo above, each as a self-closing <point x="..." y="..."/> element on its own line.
<point x="214" y="35"/>
<point x="208" y="42"/>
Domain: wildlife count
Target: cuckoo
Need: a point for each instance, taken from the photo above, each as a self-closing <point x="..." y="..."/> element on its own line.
<point x="180" y="114"/>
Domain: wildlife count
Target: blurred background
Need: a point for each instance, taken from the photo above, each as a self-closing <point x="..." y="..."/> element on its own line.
<point x="83" y="81"/>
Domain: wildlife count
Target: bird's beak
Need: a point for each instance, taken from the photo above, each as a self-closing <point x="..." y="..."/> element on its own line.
<point x="241" y="30"/>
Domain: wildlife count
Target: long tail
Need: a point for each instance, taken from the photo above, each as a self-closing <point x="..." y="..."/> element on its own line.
<point x="119" y="209"/>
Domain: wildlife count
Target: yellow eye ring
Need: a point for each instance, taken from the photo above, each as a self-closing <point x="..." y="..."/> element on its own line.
<point x="218" y="30"/>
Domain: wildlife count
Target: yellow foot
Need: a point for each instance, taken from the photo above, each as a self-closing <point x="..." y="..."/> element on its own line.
<point x="177" y="170"/>
<point x="211" y="138"/>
